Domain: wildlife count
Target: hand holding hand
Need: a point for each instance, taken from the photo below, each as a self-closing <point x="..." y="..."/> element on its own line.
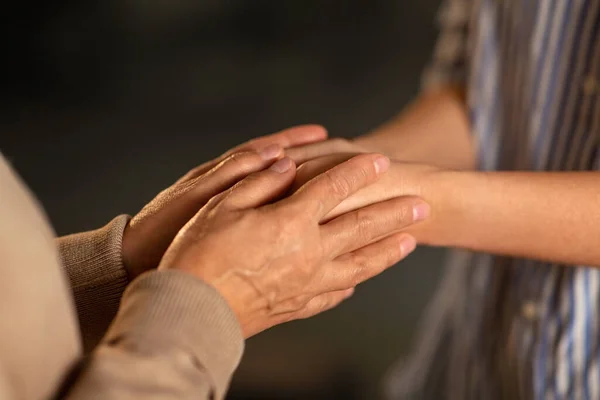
<point x="151" y="231"/>
<point x="402" y="179"/>
<point x="273" y="261"/>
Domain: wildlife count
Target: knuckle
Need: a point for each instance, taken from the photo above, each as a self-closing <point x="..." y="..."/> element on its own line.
<point x="339" y="186"/>
<point x="251" y="179"/>
<point x="243" y="162"/>
<point x="392" y="254"/>
<point x="360" y="260"/>
<point x="320" y="304"/>
<point x="403" y="215"/>
<point x="359" y="275"/>
<point x="315" y="306"/>
<point x="364" y="167"/>
<point x="365" y="224"/>
<point x="324" y="302"/>
<point x="304" y="313"/>
<point x="215" y="200"/>
<point x="295" y="153"/>
<point x="298" y="302"/>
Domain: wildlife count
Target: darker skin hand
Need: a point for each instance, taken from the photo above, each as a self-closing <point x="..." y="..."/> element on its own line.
<point x="272" y="258"/>
<point x="152" y="230"/>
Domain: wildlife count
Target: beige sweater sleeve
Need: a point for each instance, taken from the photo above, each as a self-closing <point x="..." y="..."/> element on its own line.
<point x="94" y="266"/>
<point x="174" y="337"/>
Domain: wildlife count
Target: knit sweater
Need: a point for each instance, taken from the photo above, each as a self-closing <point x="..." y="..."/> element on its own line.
<point x="165" y="335"/>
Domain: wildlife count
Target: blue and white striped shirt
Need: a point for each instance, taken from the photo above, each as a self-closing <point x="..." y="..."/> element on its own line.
<point x="503" y="327"/>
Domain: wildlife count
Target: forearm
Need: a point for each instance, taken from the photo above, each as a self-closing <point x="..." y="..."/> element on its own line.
<point x="433" y="130"/>
<point x="174" y="337"/>
<point x="547" y="216"/>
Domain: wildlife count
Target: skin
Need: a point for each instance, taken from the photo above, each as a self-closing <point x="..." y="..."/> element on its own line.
<point x="527" y="218"/>
<point x="552" y="216"/>
<point x="193" y="225"/>
<point x="274" y="260"/>
<point x="433" y="130"/>
<point x="152" y="230"/>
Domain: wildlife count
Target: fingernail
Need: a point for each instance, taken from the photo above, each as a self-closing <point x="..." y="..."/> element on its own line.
<point x="282" y="165"/>
<point x="381" y="164"/>
<point x="270" y="152"/>
<point x="349" y="293"/>
<point x="407" y="245"/>
<point x="421" y="211"/>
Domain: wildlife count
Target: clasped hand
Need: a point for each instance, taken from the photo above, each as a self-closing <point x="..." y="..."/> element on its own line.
<point x="266" y="240"/>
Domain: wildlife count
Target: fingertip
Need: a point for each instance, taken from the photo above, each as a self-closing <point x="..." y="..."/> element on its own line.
<point x="382" y="164"/>
<point x="319" y="131"/>
<point x="348" y="293"/>
<point x="407" y="245"/>
<point x="271" y="152"/>
<point x="282" y="166"/>
<point x="421" y="211"/>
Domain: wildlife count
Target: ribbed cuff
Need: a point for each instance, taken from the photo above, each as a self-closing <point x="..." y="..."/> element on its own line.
<point x="165" y="310"/>
<point x="94" y="264"/>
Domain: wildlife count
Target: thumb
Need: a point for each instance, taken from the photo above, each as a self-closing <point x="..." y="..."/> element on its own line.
<point x="262" y="187"/>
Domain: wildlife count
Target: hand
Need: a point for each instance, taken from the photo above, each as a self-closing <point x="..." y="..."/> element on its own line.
<point x="273" y="261"/>
<point x="150" y="232"/>
<point x="402" y="179"/>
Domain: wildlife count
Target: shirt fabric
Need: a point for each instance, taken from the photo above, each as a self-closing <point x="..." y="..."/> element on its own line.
<point x="503" y="327"/>
<point x="171" y="337"/>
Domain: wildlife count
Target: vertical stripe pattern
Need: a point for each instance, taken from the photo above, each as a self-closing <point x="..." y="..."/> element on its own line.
<point x="510" y="328"/>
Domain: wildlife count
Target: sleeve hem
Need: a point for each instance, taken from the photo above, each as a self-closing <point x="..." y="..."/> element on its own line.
<point x="94" y="265"/>
<point x="166" y="310"/>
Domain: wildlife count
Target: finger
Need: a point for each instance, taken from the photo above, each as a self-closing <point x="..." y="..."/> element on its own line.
<point x="231" y="170"/>
<point x="359" y="228"/>
<point x="265" y="156"/>
<point x="360" y="265"/>
<point x="301" y="154"/>
<point x="325" y="191"/>
<point x="200" y="170"/>
<point x="322" y="303"/>
<point x="262" y="187"/>
<point x="295" y="136"/>
<point x="317" y="166"/>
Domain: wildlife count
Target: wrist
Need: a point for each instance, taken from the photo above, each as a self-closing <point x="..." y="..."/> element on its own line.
<point x="401" y="179"/>
<point x="450" y="194"/>
<point x="168" y="312"/>
<point x="244" y="300"/>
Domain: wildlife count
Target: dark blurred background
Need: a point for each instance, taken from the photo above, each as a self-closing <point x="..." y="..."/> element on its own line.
<point x="104" y="103"/>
